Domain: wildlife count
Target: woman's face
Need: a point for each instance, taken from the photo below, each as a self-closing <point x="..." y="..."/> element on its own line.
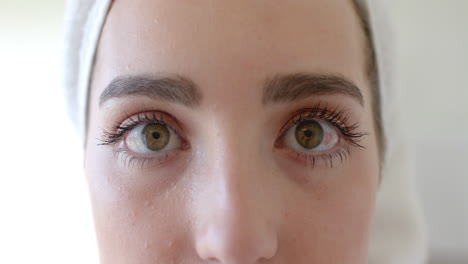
<point x="232" y="132"/>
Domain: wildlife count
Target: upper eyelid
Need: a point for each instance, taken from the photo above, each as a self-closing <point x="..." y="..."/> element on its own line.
<point x="132" y="121"/>
<point x="337" y="118"/>
<point x="165" y="118"/>
<point x="316" y="113"/>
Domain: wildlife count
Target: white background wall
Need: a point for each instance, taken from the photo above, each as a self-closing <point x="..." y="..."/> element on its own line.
<point x="44" y="211"/>
<point x="433" y="83"/>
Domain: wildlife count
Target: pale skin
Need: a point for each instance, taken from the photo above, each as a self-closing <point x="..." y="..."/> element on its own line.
<point x="231" y="194"/>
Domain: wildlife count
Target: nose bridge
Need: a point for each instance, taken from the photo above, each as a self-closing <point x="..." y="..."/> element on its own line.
<point x="237" y="151"/>
<point x="233" y="223"/>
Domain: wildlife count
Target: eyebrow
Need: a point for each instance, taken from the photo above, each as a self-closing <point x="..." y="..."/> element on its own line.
<point x="172" y="88"/>
<point x="280" y="88"/>
<point x="295" y="86"/>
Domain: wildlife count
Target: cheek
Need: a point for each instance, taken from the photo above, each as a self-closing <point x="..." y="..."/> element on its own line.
<point x="139" y="215"/>
<point x="329" y="216"/>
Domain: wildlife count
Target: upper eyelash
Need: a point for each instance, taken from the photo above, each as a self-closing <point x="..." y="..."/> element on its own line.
<point x="110" y="138"/>
<point x="336" y="117"/>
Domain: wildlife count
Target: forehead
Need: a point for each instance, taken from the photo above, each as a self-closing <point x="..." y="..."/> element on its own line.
<point x="235" y="43"/>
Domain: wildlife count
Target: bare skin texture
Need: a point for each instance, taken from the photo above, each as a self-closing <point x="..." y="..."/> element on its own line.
<point x="231" y="193"/>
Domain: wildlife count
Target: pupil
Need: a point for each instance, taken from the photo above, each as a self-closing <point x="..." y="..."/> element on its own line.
<point x="308" y="133"/>
<point x="156" y="135"/>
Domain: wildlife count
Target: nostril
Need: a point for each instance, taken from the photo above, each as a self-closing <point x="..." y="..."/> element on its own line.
<point x="228" y="245"/>
<point x="269" y="252"/>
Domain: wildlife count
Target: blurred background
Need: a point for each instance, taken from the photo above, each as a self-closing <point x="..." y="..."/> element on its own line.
<point x="45" y="215"/>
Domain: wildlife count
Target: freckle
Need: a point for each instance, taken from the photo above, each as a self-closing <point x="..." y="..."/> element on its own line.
<point x="170" y="243"/>
<point x="131" y="213"/>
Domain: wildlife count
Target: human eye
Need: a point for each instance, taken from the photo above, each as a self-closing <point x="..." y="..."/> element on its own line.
<point x="146" y="138"/>
<point x="152" y="138"/>
<point x="319" y="135"/>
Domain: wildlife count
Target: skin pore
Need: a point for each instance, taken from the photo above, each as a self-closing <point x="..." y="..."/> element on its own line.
<point x="229" y="83"/>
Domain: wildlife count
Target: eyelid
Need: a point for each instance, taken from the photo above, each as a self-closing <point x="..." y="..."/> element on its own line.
<point x="129" y="158"/>
<point x="155" y="116"/>
<point x="347" y="136"/>
<point x="335" y="116"/>
<point x="121" y="129"/>
<point x="313" y="113"/>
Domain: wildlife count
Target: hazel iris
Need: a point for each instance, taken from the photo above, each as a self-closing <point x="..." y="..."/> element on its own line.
<point x="309" y="134"/>
<point x="156" y="136"/>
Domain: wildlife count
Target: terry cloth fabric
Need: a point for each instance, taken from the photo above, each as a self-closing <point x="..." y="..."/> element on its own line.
<point x="398" y="231"/>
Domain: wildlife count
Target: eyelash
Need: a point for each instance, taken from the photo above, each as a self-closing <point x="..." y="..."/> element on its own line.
<point x="336" y="117"/>
<point x="132" y="121"/>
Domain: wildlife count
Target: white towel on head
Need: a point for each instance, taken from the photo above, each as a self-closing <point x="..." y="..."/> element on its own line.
<point x="83" y="20"/>
<point x="398" y="231"/>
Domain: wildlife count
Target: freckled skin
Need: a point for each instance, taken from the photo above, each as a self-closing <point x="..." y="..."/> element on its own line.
<point x="232" y="197"/>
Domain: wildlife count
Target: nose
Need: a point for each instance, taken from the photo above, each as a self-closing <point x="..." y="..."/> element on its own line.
<point x="234" y="210"/>
<point x="232" y="243"/>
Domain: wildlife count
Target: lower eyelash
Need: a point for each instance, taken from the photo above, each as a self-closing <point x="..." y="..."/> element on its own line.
<point x="311" y="160"/>
<point x="130" y="161"/>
